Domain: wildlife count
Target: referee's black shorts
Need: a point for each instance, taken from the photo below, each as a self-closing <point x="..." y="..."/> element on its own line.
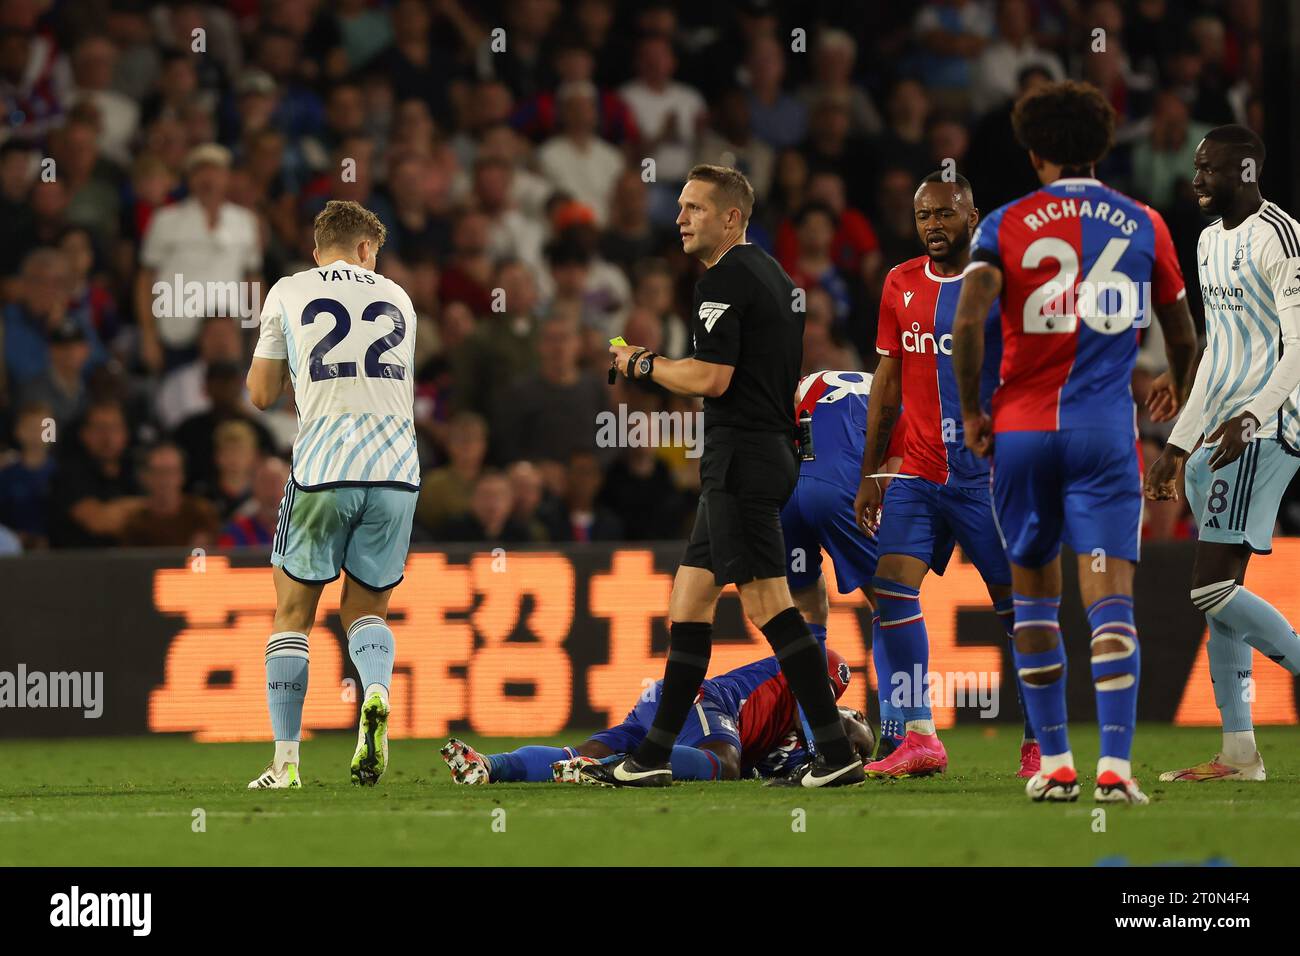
<point x="745" y="479"/>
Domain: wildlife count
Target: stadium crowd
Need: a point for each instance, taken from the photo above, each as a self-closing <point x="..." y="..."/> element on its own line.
<point x="525" y="157"/>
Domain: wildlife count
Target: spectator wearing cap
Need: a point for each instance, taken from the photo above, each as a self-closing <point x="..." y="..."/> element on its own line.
<point x="204" y="239"/>
<point x="27" y="474"/>
<point x="576" y="160"/>
<point x="94" y="493"/>
<point x="224" y="387"/>
<point x="62" y="386"/>
<point x="40" y="307"/>
<point x="168" y="517"/>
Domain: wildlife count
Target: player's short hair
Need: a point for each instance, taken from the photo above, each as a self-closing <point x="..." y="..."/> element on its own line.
<point x="1244" y="140"/>
<point x="343" y="223"/>
<point x="1067" y="123"/>
<point x="957" y="179"/>
<point x="734" y="190"/>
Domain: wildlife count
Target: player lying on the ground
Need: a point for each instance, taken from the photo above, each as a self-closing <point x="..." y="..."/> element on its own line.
<point x="1240" y="432"/>
<point x="942" y="495"/>
<point x="1078" y="268"/>
<point x="743" y="722"/>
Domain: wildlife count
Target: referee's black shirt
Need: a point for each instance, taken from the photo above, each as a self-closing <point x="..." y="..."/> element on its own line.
<point x="745" y="317"/>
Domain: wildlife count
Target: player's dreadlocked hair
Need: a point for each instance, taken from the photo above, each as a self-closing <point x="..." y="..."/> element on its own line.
<point x="1066" y="123"/>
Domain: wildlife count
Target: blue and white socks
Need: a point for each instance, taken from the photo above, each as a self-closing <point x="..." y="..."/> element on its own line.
<point x="902" y="627"/>
<point x="1042" y="681"/>
<point x="1116" y="666"/>
<point x="370" y="645"/>
<point x="286" y="690"/>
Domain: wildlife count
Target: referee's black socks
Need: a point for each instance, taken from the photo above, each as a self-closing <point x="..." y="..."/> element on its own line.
<point x="691" y="643"/>
<point x="804" y="664"/>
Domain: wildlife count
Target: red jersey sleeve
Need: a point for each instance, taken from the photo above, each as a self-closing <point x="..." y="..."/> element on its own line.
<point x="1167" y="276"/>
<point x="888" y="341"/>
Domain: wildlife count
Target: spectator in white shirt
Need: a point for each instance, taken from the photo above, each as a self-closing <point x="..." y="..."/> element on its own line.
<point x="93" y="62"/>
<point x="577" y="161"/>
<point x="998" y="67"/>
<point x="668" y="114"/>
<point x="206" y="240"/>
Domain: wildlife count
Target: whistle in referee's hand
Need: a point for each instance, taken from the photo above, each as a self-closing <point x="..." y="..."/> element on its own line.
<point x="804" y="437"/>
<point x="613" y="366"/>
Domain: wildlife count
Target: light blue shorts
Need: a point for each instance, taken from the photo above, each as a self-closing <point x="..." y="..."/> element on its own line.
<point x="1238" y="504"/>
<point x="363" y="530"/>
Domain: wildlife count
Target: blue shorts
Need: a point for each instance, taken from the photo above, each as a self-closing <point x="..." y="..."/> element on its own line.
<point x="1081" y="486"/>
<point x="1238" y="503"/>
<point x="364" y="530"/>
<point x="708" y="721"/>
<point x="819" y="514"/>
<point x="924" y="519"/>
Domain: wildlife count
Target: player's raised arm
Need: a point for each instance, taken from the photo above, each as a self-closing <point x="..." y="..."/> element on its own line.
<point x="979" y="290"/>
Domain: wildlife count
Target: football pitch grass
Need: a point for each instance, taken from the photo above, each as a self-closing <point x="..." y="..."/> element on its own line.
<point x="139" y="801"/>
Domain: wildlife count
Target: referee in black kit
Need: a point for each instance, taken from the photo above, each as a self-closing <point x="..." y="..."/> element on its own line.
<point x="748" y="350"/>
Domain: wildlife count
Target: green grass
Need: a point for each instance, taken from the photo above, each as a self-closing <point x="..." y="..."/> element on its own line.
<point x="131" y="801"/>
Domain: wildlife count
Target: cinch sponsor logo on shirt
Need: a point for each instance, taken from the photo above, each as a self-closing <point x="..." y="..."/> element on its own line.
<point x="710" y="312"/>
<point x="1078" y="209"/>
<point x="921" y="343"/>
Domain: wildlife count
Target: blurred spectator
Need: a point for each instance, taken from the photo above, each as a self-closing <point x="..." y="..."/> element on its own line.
<point x="26" y="475"/>
<point x="235" y="457"/>
<point x="903" y="144"/>
<point x="510" y="234"/>
<point x="551" y="415"/>
<point x="630" y="234"/>
<point x="730" y="141"/>
<point x="654" y="293"/>
<point x="87" y="292"/>
<point x="223" y="384"/>
<point x="94" y="60"/>
<point x="183" y="391"/>
<point x="168" y="517"/>
<point x="1163" y="159"/>
<point x="253" y="523"/>
<point x="574" y="63"/>
<point x="93" y="494"/>
<point x="204" y="240"/>
<point x="445" y="492"/>
<point x="813" y="265"/>
<point x="575" y="160"/>
<point x="668" y="114"/>
<point x="1003" y="174"/>
<point x="777" y="118"/>
<point x="92" y="184"/>
<point x="833" y="61"/>
<point x="502" y="348"/>
<point x="640" y="492"/>
<point x="997" y="71"/>
<point x="365" y="31"/>
<point x="489" y="517"/>
<point x="854" y="246"/>
<point x="28" y="94"/>
<point x="528" y="492"/>
<point x="41" y="307"/>
<point x="468" y="276"/>
<point x="952" y="34"/>
<point x="62" y="386"/>
<point x="831" y="147"/>
<point x="18" y="166"/>
<point x="579" y="516"/>
<point x="823" y="345"/>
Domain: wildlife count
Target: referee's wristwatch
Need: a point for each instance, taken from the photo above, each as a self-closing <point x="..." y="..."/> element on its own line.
<point x="645" y="365"/>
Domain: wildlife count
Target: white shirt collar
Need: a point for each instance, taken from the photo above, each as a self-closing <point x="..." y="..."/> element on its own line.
<point x="930" y="275"/>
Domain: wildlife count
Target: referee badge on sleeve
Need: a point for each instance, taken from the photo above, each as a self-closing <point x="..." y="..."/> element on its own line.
<point x="710" y="312"/>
